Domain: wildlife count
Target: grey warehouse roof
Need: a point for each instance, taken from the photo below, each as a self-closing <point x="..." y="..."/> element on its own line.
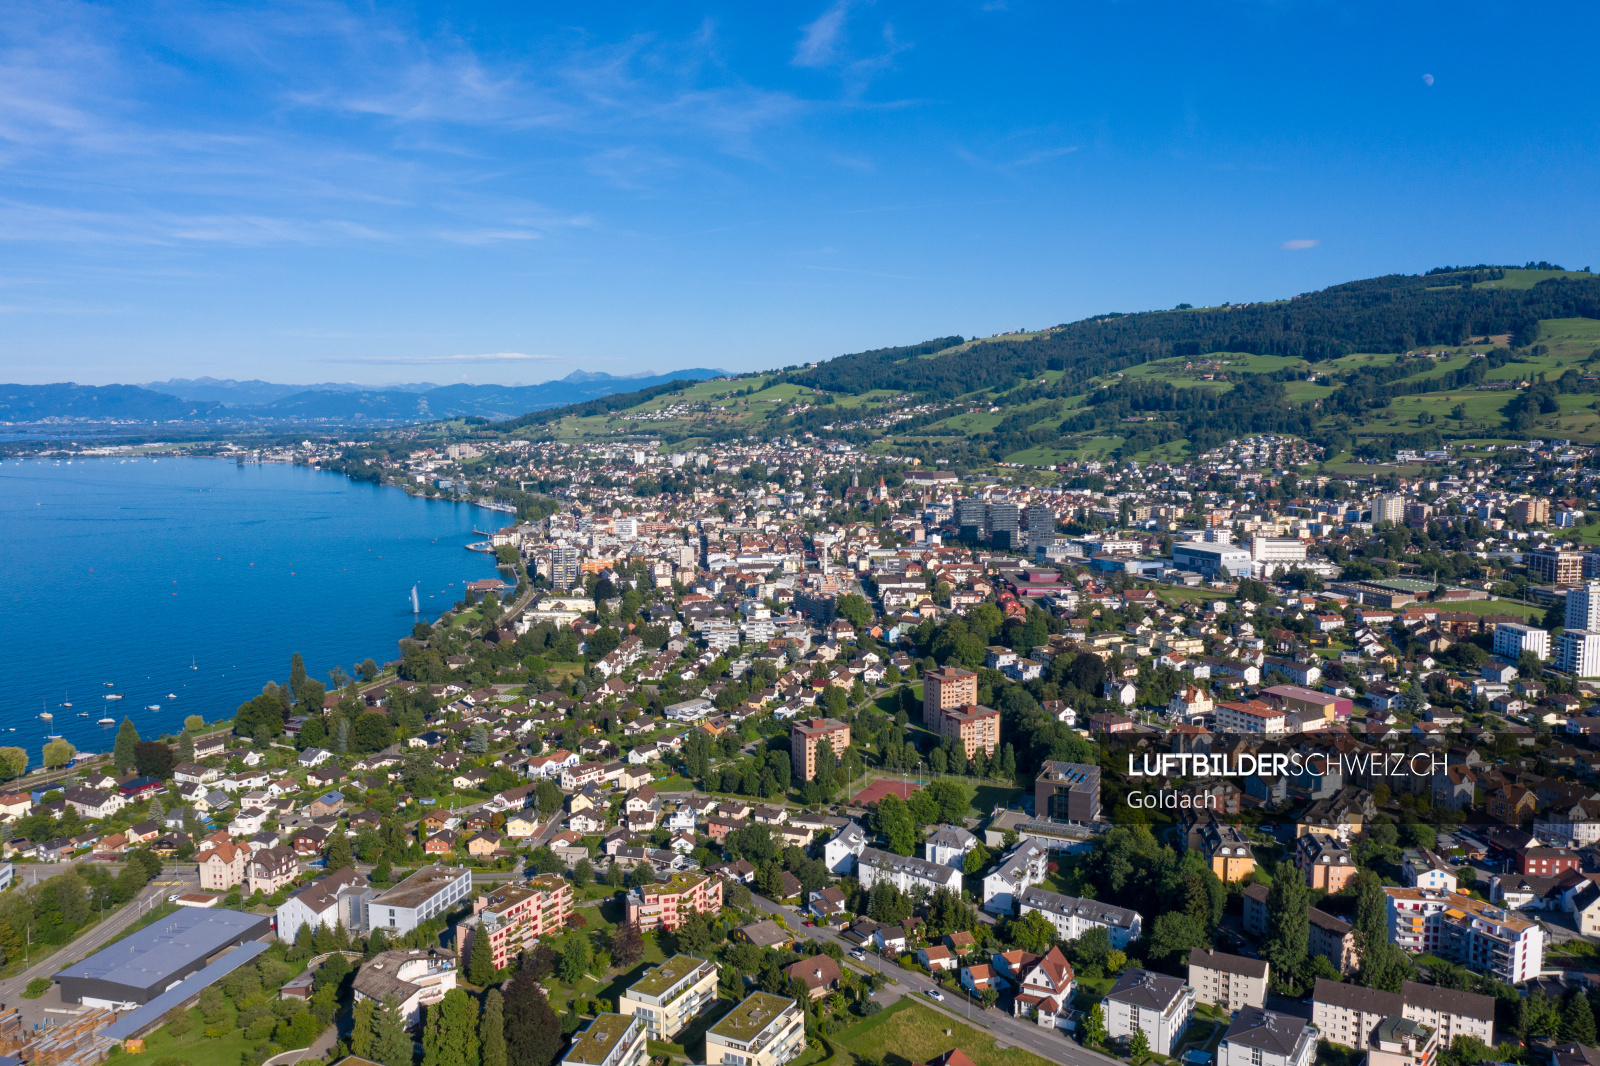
<point x="151" y="957"/>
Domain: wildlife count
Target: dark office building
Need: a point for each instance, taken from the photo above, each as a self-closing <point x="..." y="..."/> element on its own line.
<point x="972" y="517"/>
<point x="1003" y="524"/>
<point x="1040" y="523"/>
<point x="1067" y="792"/>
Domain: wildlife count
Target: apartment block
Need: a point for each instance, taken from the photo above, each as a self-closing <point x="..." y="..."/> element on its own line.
<point x="666" y="905"/>
<point x="1347" y="1013"/>
<point x="905" y="872"/>
<point x="1511" y="639"/>
<point x="1551" y="566"/>
<point x="1251" y="716"/>
<point x="609" y="1040"/>
<point x="973" y="727"/>
<point x="512" y="917"/>
<point x="1067" y="792"/>
<point x="1154" y="1004"/>
<point x="1532" y="511"/>
<point x="1578" y="652"/>
<point x="670" y="995"/>
<point x="1583" y="607"/>
<point x="1259" y="1037"/>
<point x="1334" y="939"/>
<point x="1073" y="917"/>
<point x="1231" y="982"/>
<point x="948" y="686"/>
<point x="428" y="893"/>
<point x="763" y="1030"/>
<point x="804" y="737"/>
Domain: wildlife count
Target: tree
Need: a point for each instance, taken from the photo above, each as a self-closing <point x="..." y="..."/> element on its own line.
<point x="1032" y="933"/>
<point x="372" y="733"/>
<point x="1577" y="1020"/>
<point x="361" y="1036"/>
<point x="478" y="739"/>
<point x="186" y="747"/>
<point x="627" y="945"/>
<point x="953" y="799"/>
<point x="127" y="740"/>
<point x="892" y="819"/>
<point x="480" y="963"/>
<point x="391" y="1044"/>
<point x="492" y="1030"/>
<point x="1288" y="920"/>
<point x="338" y="853"/>
<point x="1172" y="936"/>
<point x="13" y="763"/>
<point x="1094" y="1027"/>
<point x="549" y="797"/>
<point x="450" y="1037"/>
<point x="1139" y="1047"/>
<point x="58" y="753"/>
<point x="194" y="723"/>
<point x="154" y="759"/>
<point x="533" y="1033"/>
<point x="575" y="957"/>
<point x="854" y="609"/>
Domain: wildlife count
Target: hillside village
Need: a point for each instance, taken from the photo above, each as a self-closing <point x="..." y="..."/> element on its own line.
<point x="732" y="769"/>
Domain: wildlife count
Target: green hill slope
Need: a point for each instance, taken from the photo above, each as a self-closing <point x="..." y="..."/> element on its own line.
<point x="1365" y="367"/>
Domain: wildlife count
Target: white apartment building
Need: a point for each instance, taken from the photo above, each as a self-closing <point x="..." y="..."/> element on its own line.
<point x="1346" y="1013"/>
<point x="670" y="995"/>
<point x="839" y="854"/>
<point x="1511" y="639"/>
<point x="609" y="1040"/>
<point x="1261" y="1037"/>
<point x="1250" y="717"/>
<point x="1578" y="652"/>
<point x="763" y="1030"/>
<point x="1074" y="917"/>
<point x="1389" y="509"/>
<point x="429" y="892"/>
<point x="949" y="846"/>
<point x="904" y="872"/>
<point x="1022" y="869"/>
<point x="1272" y="554"/>
<point x="1231" y="982"/>
<point x="1477" y="935"/>
<point x="1583" y="606"/>
<point x="1154" y="1004"/>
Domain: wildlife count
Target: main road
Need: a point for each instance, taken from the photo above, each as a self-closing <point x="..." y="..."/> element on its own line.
<point x="1052" y="1044"/>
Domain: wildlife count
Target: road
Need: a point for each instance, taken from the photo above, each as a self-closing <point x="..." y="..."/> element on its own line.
<point x="1052" y="1044"/>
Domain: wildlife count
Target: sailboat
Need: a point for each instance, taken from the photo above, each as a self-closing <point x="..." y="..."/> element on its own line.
<point x="113" y="695"/>
<point x="193" y="665"/>
<point x="64" y="701"/>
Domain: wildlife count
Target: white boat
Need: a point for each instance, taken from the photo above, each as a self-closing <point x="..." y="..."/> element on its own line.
<point x="108" y="721"/>
<point x="108" y="684"/>
<point x="52" y="736"/>
<point x="153" y="707"/>
<point x="83" y="714"/>
<point x="193" y="665"/>
<point x="114" y="696"/>
<point x="172" y="695"/>
<point x="46" y="715"/>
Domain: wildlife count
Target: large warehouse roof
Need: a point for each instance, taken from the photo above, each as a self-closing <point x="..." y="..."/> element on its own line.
<point x="170" y="948"/>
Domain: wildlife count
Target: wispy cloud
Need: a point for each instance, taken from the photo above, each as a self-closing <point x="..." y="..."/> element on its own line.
<point x="819" y="41"/>
<point x="437" y="360"/>
<point x="1300" y="244"/>
<point x="823" y="45"/>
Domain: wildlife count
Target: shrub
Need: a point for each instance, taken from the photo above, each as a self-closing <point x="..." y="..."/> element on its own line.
<point x="36" y="988"/>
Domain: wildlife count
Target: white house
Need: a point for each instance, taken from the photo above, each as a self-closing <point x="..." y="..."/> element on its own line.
<point x="839" y="854"/>
<point x="1260" y="1037"/>
<point x="1152" y="1003"/>
<point x="949" y="846"/>
<point x="1023" y="868"/>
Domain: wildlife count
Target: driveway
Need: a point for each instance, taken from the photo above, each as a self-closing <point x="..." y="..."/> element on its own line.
<point x="1052" y="1044"/>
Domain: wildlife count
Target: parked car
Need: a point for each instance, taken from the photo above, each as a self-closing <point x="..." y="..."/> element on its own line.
<point x="934" y="993"/>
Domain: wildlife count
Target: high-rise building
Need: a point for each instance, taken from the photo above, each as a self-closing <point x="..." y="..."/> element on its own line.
<point x="1511" y="639"/>
<point x="1389" y="509"/>
<point x="1583" y="606"/>
<point x="564" y="566"/>
<point x="1555" y="567"/>
<point x="972" y="726"/>
<point x="1531" y="512"/>
<point x="1040" y="522"/>
<point x="1003" y="524"/>
<point x="947" y="686"/>
<point x="972" y="515"/>
<point x="1578" y="652"/>
<point x="804" y="738"/>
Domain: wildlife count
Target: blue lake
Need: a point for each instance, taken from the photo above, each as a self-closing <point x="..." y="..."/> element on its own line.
<point x="189" y="583"/>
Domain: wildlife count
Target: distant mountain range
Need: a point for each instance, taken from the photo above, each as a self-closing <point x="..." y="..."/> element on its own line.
<point x="333" y="403"/>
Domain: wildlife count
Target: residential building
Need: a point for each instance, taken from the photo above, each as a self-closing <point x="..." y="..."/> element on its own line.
<point x="1325" y="862"/>
<point x="1073" y="917"/>
<point x="1154" y="1004"/>
<point x="1334" y="939"/>
<point x="1578" y="652"/>
<point x="819" y="973"/>
<point x="1231" y="982"/>
<point x="1511" y="639"/>
<point x="665" y="905"/>
<point x="1023" y="868"/>
<point x="269" y="869"/>
<point x="839" y="854"/>
<point x="1421" y="868"/>
<point x="972" y="726"/>
<point x="904" y="872"/>
<point x="1067" y="792"/>
<point x="1478" y="935"/>
<point x="763" y="1030"/>
<point x="222" y="865"/>
<point x="609" y="1040"/>
<point x="1044" y="986"/>
<point x="1402" y="1042"/>
<point x="429" y="892"/>
<point x="946" y="687"/>
<point x="1259" y="1037"/>
<point x="1552" y="566"/>
<point x="513" y="916"/>
<point x="1251" y="716"/>
<point x="1227" y="850"/>
<point x="340" y="897"/>
<point x="949" y="846"/>
<point x="417" y="977"/>
<point x="670" y="995"/>
<point x="804" y="738"/>
<point x="1534" y="510"/>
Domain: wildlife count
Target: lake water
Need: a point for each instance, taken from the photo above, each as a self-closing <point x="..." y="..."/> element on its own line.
<point x="188" y="583"/>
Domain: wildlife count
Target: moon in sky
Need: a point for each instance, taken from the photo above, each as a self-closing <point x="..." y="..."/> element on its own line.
<point x="1427" y="79"/>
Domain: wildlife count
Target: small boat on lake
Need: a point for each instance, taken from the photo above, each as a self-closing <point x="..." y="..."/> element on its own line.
<point x="46" y="715"/>
<point x="114" y="696"/>
<point x="153" y="707"/>
<point x="108" y="721"/>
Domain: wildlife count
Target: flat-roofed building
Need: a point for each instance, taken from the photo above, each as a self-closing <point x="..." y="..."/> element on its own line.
<point x="666" y="905"/>
<point x="1511" y="639"/>
<point x="609" y="1040"/>
<point x="140" y="967"/>
<point x="1478" y="935"/>
<point x="1073" y="916"/>
<point x="947" y="686"/>
<point x="1402" y="1042"/>
<point x="973" y="727"/>
<point x="1231" y="982"/>
<point x="806" y="736"/>
<point x="763" y="1030"/>
<point x="428" y="893"/>
<point x="417" y="977"/>
<point x="670" y="995"/>
<point x="1553" y="566"/>
<point x="1067" y="792"/>
<point x="1251" y="716"/>
<point x="512" y="917"/>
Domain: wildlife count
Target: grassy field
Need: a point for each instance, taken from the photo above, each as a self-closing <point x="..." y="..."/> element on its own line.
<point x="909" y="1032"/>
<point x="1527" y="279"/>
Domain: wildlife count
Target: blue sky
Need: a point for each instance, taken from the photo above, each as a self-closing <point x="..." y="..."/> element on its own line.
<point x="509" y="192"/>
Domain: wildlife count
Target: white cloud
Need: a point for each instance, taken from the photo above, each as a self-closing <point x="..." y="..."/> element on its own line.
<point x="819" y="41"/>
<point x="1300" y="244"/>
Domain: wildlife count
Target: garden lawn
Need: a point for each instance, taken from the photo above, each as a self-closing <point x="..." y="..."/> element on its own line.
<point x="909" y="1032"/>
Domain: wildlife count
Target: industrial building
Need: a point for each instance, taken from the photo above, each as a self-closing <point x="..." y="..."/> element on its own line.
<point x="139" y="968"/>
